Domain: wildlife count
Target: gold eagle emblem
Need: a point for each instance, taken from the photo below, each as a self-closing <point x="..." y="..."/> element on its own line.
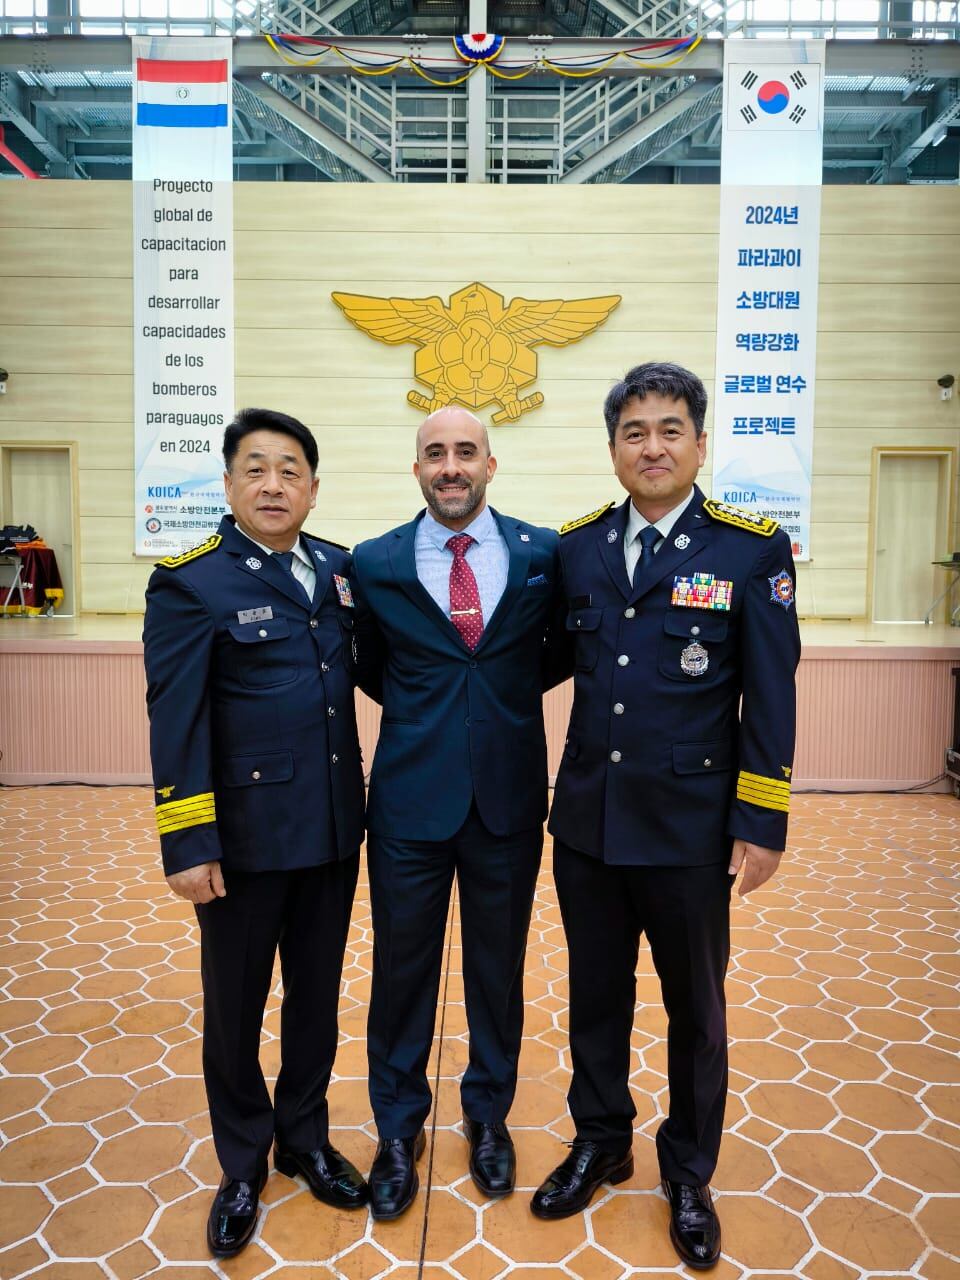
<point x="476" y="350"/>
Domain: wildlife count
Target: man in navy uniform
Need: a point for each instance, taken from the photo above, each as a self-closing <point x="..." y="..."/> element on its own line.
<point x="462" y="597"/>
<point x="677" y="608"/>
<point x="259" y="793"/>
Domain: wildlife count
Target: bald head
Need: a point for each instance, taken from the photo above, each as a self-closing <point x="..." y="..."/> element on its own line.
<point x="461" y="421"/>
<point x="454" y="465"/>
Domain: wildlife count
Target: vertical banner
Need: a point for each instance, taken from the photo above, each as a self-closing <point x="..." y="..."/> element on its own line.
<point x="771" y="170"/>
<point x="182" y="286"/>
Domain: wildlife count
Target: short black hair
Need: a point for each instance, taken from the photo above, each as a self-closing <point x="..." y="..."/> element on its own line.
<point x="248" y="420"/>
<point x="669" y="380"/>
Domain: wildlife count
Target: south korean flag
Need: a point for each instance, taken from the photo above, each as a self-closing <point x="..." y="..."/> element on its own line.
<point x="774" y="98"/>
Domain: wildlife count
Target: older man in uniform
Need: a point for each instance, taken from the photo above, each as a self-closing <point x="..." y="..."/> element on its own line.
<point x="678" y="609"/>
<point x="259" y="794"/>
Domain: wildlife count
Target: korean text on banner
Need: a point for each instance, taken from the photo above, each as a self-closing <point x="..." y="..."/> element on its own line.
<point x="771" y="170"/>
<point x="183" y="286"/>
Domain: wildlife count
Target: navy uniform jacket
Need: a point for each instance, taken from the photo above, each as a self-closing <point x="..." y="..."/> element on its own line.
<point x="662" y="765"/>
<point x="456" y="724"/>
<point x="253" y="734"/>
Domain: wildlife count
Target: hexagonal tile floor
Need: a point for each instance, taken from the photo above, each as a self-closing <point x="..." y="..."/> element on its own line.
<point x="840" y="1160"/>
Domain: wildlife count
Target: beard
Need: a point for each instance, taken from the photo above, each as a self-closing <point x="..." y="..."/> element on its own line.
<point x="456" y="503"/>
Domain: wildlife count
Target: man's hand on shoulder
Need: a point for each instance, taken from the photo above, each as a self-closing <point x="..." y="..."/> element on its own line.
<point x="199" y="884"/>
<point x="761" y="864"/>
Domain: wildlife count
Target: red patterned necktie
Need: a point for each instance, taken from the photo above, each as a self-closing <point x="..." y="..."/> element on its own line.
<point x="465" y="611"/>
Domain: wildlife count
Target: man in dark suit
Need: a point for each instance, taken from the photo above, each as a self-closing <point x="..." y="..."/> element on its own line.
<point x="678" y="608"/>
<point x="462" y="597"/>
<point x="259" y="793"/>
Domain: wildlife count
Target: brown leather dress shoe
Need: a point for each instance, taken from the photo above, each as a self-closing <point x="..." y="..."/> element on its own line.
<point x="694" y="1225"/>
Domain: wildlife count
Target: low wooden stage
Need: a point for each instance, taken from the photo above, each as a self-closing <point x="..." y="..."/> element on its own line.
<point x="875" y="704"/>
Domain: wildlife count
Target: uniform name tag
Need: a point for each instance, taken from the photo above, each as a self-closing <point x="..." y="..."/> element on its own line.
<point x="344" y="593"/>
<point x="255" y="615"/>
<point x="702" y="591"/>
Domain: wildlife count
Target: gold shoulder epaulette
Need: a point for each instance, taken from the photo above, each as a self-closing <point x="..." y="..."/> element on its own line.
<point x="174" y="562"/>
<point x="582" y="520"/>
<point x="740" y="519"/>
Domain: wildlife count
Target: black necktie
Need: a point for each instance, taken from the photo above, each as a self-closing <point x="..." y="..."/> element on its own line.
<point x="285" y="560"/>
<point x="643" y="573"/>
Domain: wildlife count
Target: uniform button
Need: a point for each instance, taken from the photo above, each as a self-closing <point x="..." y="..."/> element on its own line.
<point x="467" y="722"/>
<point x="473" y="666"/>
<point x="616" y="757"/>
<point x="694" y="631"/>
<point x="255" y="775"/>
<point x="630" y="613"/>
<point x="262" y="633"/>
<point x="314" y="623"/>
<point x="324" y="667"/>
<point x="622" y="660"/>
<point x="707" y="763"/>
<point x="335" y="759"/>
<point x="618" y="708"/>
<point x="331" y="711"/>
<point x="578" y="622"/>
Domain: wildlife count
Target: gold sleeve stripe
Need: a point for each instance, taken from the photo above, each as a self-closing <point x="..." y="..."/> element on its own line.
<point x="182" y="823"/>
<point x="188" y="802"/>
<point x="763" y="799"/>
<point x="204" y="811"/>
<point x="778" y="785"/>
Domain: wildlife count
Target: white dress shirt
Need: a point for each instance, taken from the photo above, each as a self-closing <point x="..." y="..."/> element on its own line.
<point x="636" y="523"/>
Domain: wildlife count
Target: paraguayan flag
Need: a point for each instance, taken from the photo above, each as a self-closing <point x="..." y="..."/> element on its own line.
<point x="182" y="94"/>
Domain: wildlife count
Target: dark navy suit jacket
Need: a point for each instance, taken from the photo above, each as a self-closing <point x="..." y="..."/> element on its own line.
<point x="457" y="725"/>
<point x="682" y="731"/>
<point x="253" y="735"/>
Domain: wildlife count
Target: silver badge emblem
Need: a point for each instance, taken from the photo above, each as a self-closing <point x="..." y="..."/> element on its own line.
<point x="524" y="537"/>
<point x="681" y="541"/>
<point x="253" y="563"/>
<point x="319" y="554"/>
<point x="612" y="535"/>
<point x="694" y="659"/>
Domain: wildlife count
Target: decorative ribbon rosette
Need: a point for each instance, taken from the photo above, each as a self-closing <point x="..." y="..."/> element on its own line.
<point x="479" y="47"/>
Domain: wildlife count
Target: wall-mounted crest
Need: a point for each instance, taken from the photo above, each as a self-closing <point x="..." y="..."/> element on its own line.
<point x="476" y="350"/>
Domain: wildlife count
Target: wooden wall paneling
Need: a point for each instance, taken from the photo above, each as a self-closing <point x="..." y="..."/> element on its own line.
<point x="45" y="251"/>
<point x="68" y="204"/>
<point x="307" y="304"/>
<point x="52" y="300"/>
<point x="905" y="308"/>
<point x="905" y="259"/>
<point x="74" y="397"/>
<point x="89" y="349"/>
<point x="550" y="257"/>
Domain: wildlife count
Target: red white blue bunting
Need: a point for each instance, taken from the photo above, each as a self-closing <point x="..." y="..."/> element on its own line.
<point x="478" y="47"/>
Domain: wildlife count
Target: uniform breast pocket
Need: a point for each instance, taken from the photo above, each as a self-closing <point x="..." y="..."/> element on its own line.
<point x="585" y="624"/>
<point x="261" y="653"/>
<point x="692" y="645"/>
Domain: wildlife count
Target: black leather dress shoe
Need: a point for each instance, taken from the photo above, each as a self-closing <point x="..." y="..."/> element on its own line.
<point x="329" y="1175"/>
<point x="233" y="1215"/>
<point x="694" y="1225"/>
<point x="493" y="1160"/>
<point x="394" y="1181"/>
<point x="573" y="1183"/>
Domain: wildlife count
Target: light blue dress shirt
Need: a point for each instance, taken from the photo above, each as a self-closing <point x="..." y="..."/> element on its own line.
<point x="488" y="558"/>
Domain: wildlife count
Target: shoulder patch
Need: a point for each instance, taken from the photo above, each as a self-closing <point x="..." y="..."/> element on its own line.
<point x="739" y="518"/>
<point x="174" y="562"/>
<point x="588" y="519"/>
